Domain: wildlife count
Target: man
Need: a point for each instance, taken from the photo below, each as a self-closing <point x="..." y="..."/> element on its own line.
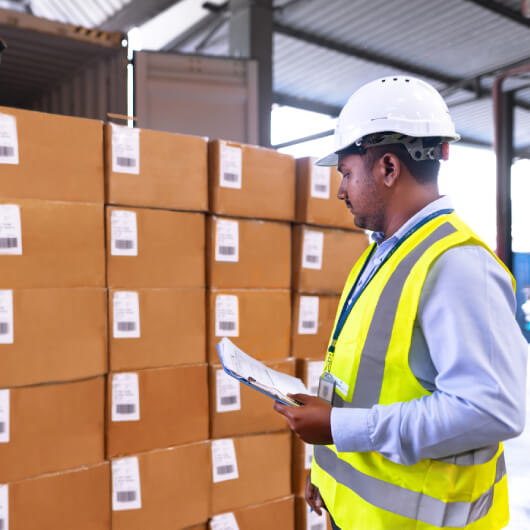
<point x="424" y="374"/>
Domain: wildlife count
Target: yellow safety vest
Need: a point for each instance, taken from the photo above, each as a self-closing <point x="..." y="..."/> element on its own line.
<point x="365" y="490"/>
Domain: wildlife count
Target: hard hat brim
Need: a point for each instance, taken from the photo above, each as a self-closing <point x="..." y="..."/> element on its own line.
<point x="329" y="160"/>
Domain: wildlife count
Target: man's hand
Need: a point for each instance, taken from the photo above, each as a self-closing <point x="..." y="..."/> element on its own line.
<point x="311" y="422"/>
<point x="312" y="496"/>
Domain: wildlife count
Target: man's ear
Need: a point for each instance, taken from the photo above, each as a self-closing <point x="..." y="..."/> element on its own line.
<point x="389" y="169"/>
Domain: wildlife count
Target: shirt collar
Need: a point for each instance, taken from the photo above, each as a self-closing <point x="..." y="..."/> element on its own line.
<point x="442" y="203"/>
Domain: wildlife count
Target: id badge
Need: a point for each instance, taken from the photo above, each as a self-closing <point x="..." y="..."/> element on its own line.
<point x="326" y="387"/>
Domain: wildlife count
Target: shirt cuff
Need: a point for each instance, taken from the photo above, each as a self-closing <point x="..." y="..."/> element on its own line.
<point x="350" y="429"/>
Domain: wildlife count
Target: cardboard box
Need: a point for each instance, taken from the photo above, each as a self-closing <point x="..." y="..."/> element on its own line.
<point x="257" y="320"/>
<point x="312" y="326"/>
<point x="273" y="514"/>
<point x="72" y="499"/>
<point x="263" y="472"/>
<point x="171" y="329"/>
<point x="250" y="181"/>
<point x="247" y="253"/>
<point x="173" y="409"/>
<point x="255" y="413"/>
<point x="172" y="172"/>
<point x="302" y="459"/>
<point x="63" y="245"/>
<point x="60" y="158"/>
<point x="316" y="196"/>
<point x="58" y="335"/>
<point x="308" y="520"/>
<point x="173" y="489"/>
<point x="53" y="428"/>
<point x="323" y="258"/>
<point x="170" y="250"/>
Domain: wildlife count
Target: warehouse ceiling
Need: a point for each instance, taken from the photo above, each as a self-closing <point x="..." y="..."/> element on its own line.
<point x="325" y="49"/>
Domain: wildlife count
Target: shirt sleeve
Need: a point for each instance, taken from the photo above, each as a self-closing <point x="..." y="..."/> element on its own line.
<point x="466" y="314"/>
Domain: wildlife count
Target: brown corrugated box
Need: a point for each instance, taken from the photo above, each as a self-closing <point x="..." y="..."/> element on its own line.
<point x="53" y="428"/>
<point x="173" y="172"/>
<point x="267" y="187"/>
<point x="301" y="465"/>
<point x="314" y="345"/>
<point x="341" y="249"/>
<point x="318" y="210"/>
<point x="170" y="251"/>
<point x="256" y="413"/>
<point x="77" y="499"/>
<point x="264" y="469"/>
<point x="264" y="322"/>
<point x="172" y="330"/>
<point x="173" y="410"/>
<point x="59" y="335"/>
<point x="60" y="158"/>
<point x="63" y="245"/>
<point x="307" y="520"/>
<point x="278" y="514"/>
<point x="264" y="258"/>
<point x="174" y="487"/>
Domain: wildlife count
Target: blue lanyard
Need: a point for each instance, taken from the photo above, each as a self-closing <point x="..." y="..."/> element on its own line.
<point x="351" y="300"/>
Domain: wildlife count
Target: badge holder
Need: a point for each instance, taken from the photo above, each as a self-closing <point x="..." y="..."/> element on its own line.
<point x="326" y="387"/>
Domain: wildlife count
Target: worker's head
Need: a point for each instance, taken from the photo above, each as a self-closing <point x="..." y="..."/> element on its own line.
<point x="389" y="139"/>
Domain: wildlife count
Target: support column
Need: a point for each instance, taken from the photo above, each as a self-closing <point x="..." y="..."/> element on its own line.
<point x="251" y="38"/>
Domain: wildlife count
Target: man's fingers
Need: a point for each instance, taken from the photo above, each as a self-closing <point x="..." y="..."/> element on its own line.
<point x="280" y="407"/>
<point x="318" y="502"/>
<point x="301" y="398"/>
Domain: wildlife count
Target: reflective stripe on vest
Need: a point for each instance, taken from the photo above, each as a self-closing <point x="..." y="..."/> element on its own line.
<point x="405" y="502"/>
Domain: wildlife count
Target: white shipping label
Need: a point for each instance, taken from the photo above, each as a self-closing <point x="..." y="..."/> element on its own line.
<point x="126" y="315"/>
<point x="227" y="241"/>
<point x="315" y="521"/>
<point x="126" y="493"/>
<point x="308" y="457"/>
<point x="224" y="462"/>
<point x="4" y="507"/>
<point x="320" y="177"/>
<point x="6" y="317"/>
<point x="8" y="140"/>
<point x="125" y="397"/>
<point x="225" y="521"/>
<point x="125" y="149"/>
<point x="10" y="229"/>
<point x="313" y="248"/>
<point x="228" y="392"/>
<point x="4" y="416"/>
<point x="226" y="315"/>
<point x="308" y="315"/>
<point x="123" y="233"/>
<point x="314" y="372"/>
<point x="231" y="167"/>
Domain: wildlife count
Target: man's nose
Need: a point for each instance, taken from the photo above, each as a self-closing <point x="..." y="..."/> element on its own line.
<point x="341" y="194"/>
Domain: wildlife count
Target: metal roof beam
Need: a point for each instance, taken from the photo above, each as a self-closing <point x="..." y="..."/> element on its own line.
<point x="191" y="33"/>
<point x="306" y="104"/>
<point x="134" y="13"/>
<point x="503" y="11"/>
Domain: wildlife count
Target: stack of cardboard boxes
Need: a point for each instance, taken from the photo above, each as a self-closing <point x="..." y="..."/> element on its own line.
<point x="325" y="247"/>
<point x="53" y="323"/>
<point x="248" y="248"/>
<point x="157" y="406"/>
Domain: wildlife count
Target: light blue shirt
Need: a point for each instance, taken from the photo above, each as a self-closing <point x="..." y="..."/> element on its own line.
<point x="467" y="349"/>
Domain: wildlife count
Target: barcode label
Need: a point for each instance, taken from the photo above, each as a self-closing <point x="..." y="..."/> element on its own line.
<point x="318" y="526"/>
<point x="308" y="315"/>
<point x="4" y="415"/>
<point x="226" y="240"/>
<point x="6" y="317"/>
<point x="4" y="507"/>
<point x="10" y="229"/>
<point x="125" y="150"/>
<point x="125" y="397"/>
<point x="124" y="233"/>
<point x="224" y="460"/>
<point x="126" y="496"/>
<point x="230" y="167"/>
<point x="126" y="315"/>
<point x="313" y="247"/>
<point x="315" y="521"/>
<point x="224" y="521"/>
<point x="226" y="316"/>
<point x="126" y="493"/>
<point x="2" y="524"/>
<point x="314" y="372"/>
<point x="228" y="392"/>
<point x="308" y="456"/>
<point x="8" y="139"/>
<point x="320" y="182"/>
<point x="4" y="328"/>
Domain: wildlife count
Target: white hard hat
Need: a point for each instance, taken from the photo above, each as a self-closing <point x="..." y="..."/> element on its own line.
<point x="405" y="106"/>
